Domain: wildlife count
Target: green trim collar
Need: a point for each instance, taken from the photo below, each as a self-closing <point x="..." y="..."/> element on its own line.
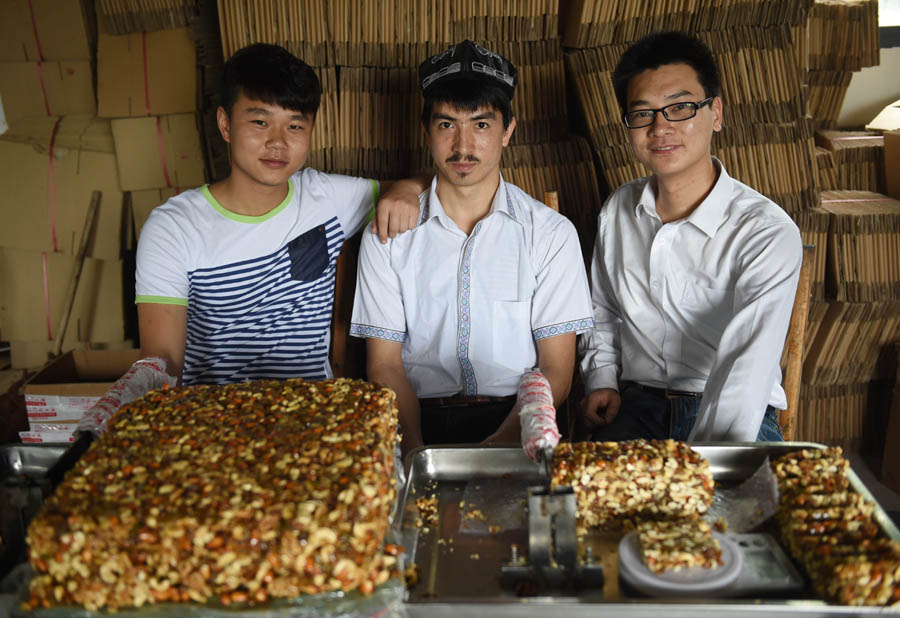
<point x="248" y="218"/>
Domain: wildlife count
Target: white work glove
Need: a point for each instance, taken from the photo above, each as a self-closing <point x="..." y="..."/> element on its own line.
<point x="145" y="375"/>
<point x="537" y="414"/>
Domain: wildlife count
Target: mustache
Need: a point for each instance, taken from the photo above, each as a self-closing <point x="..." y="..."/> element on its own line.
<point x="459" y="157"/>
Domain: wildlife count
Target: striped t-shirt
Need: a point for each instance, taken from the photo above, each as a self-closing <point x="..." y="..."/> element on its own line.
<point x="258" y="290"/>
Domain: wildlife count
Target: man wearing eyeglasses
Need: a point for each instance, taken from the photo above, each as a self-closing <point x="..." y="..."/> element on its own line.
<point x="693" y="273"/>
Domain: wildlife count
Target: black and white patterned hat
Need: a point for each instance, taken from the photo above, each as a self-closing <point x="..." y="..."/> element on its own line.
<point x="468" y="60"/>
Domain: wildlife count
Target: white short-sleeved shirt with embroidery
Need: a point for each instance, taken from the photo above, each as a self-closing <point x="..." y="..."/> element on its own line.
<point x="470" y="309"/>
<point x="258" y="290"/>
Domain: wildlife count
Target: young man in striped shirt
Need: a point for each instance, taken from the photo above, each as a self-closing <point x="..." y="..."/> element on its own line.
<point x="235" y="280"/>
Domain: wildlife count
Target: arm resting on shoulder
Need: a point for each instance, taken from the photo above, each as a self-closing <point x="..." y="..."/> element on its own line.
<point x="163" y="330"/>
<point x="385" y="366"/>
<point x="398" y="207"/>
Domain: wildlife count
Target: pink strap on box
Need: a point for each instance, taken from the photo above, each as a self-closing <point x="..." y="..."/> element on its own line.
<point x="51" y="185"/>
<point x="159" y="134"/>
<point x="46" y="294"/>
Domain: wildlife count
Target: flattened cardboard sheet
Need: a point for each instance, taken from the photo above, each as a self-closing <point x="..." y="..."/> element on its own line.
<point x="158" y="152"/>
<point x="30" y="218"/>
<point x="53" y="88"/>
<point x="143" y="74"/>
<point x="33" y="30"/>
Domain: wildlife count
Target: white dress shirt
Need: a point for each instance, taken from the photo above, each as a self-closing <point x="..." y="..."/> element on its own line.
<point x="470" y="309"/>
<point x="700" y="304"/>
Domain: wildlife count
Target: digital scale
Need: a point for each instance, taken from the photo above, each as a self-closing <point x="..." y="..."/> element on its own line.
<point x="752" y="564"/>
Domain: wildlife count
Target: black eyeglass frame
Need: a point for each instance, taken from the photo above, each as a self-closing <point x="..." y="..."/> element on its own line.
<point x="695" y="105"/>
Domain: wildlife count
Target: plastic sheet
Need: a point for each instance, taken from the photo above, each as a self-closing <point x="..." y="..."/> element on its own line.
<point x="746" y="506"/>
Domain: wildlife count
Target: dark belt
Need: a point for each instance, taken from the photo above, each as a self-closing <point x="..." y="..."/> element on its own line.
<point x="666" y="393"/>
<point x="462" y="400"/>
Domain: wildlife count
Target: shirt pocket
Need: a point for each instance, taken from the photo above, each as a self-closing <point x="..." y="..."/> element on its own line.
<point x="512" y="344"/>
<point x="706" y="313"/>
<point x="309" y="255"/>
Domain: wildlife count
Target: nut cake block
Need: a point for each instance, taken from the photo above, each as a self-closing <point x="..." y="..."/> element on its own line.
<point x="233" y="493"/>
<point x="615" y="482"/>
<point x="676" y="544"/>
<point x="830" y="529"/>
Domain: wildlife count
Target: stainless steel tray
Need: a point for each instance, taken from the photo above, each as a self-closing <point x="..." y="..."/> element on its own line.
<point x="30" y="461"/>
<point x="481" y="511"/>
<point x="22" y="491"/>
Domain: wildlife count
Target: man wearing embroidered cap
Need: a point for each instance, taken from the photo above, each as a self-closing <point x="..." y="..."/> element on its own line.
<point x="489" y="285"/>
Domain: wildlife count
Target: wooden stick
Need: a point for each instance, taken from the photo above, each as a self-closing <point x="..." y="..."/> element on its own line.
<point x="796" y="337"/>
<point x="76" y="275"/>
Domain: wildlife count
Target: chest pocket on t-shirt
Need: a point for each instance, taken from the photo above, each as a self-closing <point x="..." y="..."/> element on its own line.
<point x="309" y="255"/>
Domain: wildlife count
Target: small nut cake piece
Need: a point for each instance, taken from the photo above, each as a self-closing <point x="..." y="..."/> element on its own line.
<point x="675" y="544"/>
<point x="615" y="482"/>
<point x="233" y="493"/>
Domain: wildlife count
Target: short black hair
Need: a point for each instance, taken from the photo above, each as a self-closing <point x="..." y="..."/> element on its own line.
<point x="273" y="75"/>
<point x="662" y="48"/>
<point x="467" y="95"/>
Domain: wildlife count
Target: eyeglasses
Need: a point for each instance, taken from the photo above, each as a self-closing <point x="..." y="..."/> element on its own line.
<point x="676" y="112"/>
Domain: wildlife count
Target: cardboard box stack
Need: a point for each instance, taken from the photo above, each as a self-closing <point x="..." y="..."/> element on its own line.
<point x="54" y="155"/>
<point x="137" y="131"/>
<point x="848" y="367"/>
<point x="858" y="158"/>
<point x="147" y="84"/>
<point x="843" y="38"/>
<point x="125" y="17"/>
<point x="845" y="369"/>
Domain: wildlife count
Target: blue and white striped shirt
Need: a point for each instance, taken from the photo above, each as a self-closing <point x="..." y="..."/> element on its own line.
<point x="259" y="291"/>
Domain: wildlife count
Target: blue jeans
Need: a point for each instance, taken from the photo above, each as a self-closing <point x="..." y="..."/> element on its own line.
<point x="650" y="416"/>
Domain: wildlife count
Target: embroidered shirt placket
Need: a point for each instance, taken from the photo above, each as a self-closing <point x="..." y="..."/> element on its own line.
<point x="464" y="325"/>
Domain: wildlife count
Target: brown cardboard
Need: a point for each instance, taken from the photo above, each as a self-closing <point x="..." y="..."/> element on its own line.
<point x="25" y="206"/>
<point x="68" y="386"/>
<point x="158" y="152"/>
<point x="32" y="355"/>
<point x="98" y="310"/>
<point x="73" y="131"/>
<point x="146" y="73"/>
<point x="142" y="202"/>
<point x="60" y="28"/>
<point x="888" y="119"/>
<point x="892" y="163"/>
<point x="51" y="88"/>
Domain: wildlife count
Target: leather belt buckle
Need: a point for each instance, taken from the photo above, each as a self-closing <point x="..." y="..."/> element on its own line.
<point x="666" y="393"/>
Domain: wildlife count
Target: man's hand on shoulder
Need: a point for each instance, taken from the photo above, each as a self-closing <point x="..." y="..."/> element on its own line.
<point x="600" y="407"/>
<point x="398" y="207"/>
